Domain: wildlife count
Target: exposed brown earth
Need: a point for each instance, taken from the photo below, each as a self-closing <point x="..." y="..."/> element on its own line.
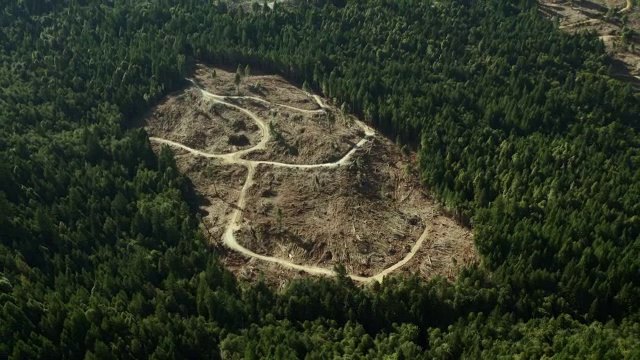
<point x="271" y="88"/>
<point x="343" y="195"/>
<point x="303" y="138"/>
<point x="217" y="189"/>
<point x="366" y="215"/>
<point x="190" y="119"/>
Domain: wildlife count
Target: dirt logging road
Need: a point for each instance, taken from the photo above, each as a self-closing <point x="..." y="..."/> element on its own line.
<point x="235" y="221"/>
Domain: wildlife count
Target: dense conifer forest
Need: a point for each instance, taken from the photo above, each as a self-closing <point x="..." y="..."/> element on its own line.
<point x="520" y="132"/>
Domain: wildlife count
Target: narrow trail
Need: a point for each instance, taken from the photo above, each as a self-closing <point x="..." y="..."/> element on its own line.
<point x="607" y="37"/>
<point x="627" y="8"/>
<point x="316" y="111"/>
<point x="231" y="158"/>
<point x="578" y="23"/>
<point x="235" y="221"/>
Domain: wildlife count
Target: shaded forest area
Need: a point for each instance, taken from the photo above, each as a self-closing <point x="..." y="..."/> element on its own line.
<point x="519" y="128"/>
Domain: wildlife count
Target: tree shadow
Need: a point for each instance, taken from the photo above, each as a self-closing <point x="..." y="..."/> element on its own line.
<point x="549" y="13"/>
<point x="602" y="17"/>
<point x="620" y="71"/>
<point x="592" y="6"/>
<point x="196" y="201"/>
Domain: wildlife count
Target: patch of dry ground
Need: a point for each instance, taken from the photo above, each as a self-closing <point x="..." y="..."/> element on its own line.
<point x="365" y="210"/>
<point x="366" y="215"/>
<point x="449" y="247"/>
<point x="268" y="87"/>
<point x="605" y="19"/>
<point x="217" y="189"/>
<point x="192" y="120"/>
<point x="300" y="138"/>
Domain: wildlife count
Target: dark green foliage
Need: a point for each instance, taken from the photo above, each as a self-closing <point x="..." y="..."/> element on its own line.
<point x="520" y="131"/>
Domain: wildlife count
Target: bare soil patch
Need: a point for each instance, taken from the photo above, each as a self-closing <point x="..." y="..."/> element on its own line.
<point x="310" y="136"/>
<point x="450" y="246"/>
<point x="272" y="88"/>
<point x="366" y="215"/>
<point x="303" y="138"/>
<point x="217" y="188"/>
<point x="366" y="211"/>
<point x="192" y="120"/>
<point x="252" y="270"/>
